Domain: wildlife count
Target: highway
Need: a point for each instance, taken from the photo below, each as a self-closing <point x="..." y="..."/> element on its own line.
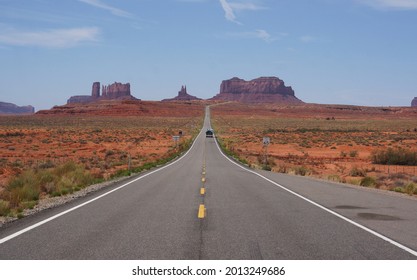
<point x="244" y="214"/>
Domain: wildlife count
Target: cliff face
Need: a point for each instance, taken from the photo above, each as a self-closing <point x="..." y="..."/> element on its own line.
<point x="81" y="99"/>
<point x="12" y="109"/>
<point x="115" y="91"/>
<point x="414" y="102"/>
<point x="183" y="96"/>
<point x="264" y="89"/>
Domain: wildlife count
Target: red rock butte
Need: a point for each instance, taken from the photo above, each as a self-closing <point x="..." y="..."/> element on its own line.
<point x="414" y="102"/>
<point x="115" y="91"/>
<point x="183" y="96"/>
<point x="260" y="90"/>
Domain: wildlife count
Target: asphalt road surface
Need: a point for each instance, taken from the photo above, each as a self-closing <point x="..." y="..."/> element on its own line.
<point x="243" y="214"/>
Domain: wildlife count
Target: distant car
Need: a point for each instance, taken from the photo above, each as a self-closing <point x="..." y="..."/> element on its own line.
<point x="209" y="133"/>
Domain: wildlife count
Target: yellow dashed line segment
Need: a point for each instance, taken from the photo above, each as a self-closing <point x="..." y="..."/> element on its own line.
<point x="201" y="212"/>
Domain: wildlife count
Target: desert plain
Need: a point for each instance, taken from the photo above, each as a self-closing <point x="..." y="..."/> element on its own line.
<point x="62" y="150"/>
<point x="59" y="151"/>
<point x="340" y="143"/>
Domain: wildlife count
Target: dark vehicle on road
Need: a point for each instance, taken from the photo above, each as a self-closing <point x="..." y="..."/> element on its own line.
<point x="209" y="133"/>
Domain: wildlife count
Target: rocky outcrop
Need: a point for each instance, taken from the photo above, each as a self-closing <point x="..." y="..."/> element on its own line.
<point x="128" y="108"/>
<point x="12" y="109"/>
<point x="115" y="91"/>
<point x="414" y="102"/>
<point x="81" y="99"/>
<point x="95" y="91"/>
<point x="183" y="96"/>
<point x="261" y="90"/>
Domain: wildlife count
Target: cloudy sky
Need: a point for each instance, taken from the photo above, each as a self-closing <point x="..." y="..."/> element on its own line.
<point x="361" y="52"/>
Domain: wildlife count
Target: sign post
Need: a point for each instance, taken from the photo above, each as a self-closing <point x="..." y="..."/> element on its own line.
<point x="176" y="139"/>
<point x="266" y="141"/>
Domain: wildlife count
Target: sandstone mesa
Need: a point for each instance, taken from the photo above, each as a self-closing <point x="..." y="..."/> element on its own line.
<point x="115" y="91"/>
<point x="260" y="90"/>
<point x="12" y="109"/>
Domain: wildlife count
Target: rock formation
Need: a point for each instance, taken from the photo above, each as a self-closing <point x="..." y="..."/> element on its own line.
<point x="183" y="96"/>
<point x="81" y="99"/>
<point x="12" y="109"/>
<point x="95" y="91"/>
<point x="414" y="102"/>
<point x="264" y="89"/>
<point x="115" y="91"/>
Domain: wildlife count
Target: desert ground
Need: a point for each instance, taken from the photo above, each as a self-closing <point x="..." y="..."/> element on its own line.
<point x="60" y="151"/>
<point x="83" y="144"/>
<point x="332" y="142"/>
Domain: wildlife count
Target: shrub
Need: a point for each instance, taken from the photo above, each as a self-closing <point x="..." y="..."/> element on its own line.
<point x="65" y="168"/>
<point x="334" y="177"/>
<point x="357" y="172"/>
<point x="368" y="182"/>
<point x="121" y="173"/>
<point x="301" y="170"/>
<point x="29" y="204"/>
<point x="266" y="167"/>
<point x="410" y="188"/>
<point x="24" y="190"/>
<point x="353" y="154"/>
<point x="398" y="156"/>
<point x="356" y="182"/>
<point x="282" y="169"/>
<point x="399" y="190"/>
<point x="47" y="164"/>
<point x="4" y="208"/>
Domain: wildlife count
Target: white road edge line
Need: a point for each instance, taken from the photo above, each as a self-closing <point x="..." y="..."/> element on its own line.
<point x="383" y="237"/>
<point x="20" y="232"/>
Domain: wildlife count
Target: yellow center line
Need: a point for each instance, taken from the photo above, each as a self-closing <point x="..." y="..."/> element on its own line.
<point x="201" y="212"/>
<point x="202" y="208"/>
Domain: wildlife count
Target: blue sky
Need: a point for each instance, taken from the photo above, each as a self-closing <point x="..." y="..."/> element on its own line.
<point x="360" y="52"/>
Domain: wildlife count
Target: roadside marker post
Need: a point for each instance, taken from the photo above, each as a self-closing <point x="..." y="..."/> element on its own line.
<point x="266" y="141"/>
<point x="176" y="139"/>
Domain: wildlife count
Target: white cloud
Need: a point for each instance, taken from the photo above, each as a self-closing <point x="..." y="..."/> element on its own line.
<point x="262" y="34"/>
<point x="55" y="38"/>
<point x="228" y="10"/>
<point x="231" y="7"/>
<point x="393" y="4"/>
<point x="113" y="10"/>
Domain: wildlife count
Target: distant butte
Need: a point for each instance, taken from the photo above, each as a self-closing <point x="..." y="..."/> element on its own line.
<point x="260" y="90"/>
<point x="183" y="96"/>
<point x="115" y="91"/>
<point x="12" y="109"/>
<point x="414" y="102"/>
